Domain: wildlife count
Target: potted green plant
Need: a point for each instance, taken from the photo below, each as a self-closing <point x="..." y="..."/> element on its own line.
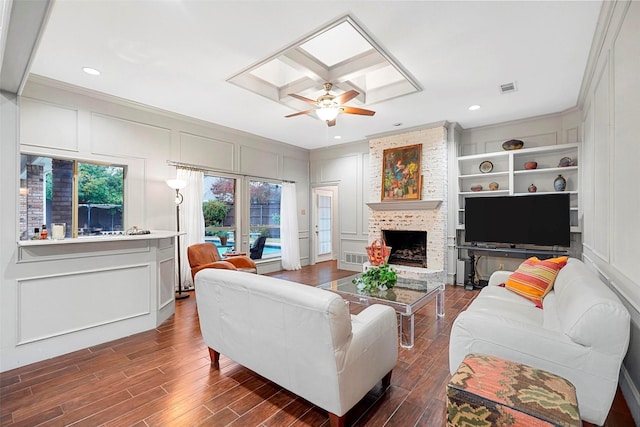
<point x="223" y="235"/>
<point x="376" y="279"/>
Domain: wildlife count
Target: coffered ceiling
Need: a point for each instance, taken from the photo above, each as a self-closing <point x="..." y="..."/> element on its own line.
<point x="413" y="62"/>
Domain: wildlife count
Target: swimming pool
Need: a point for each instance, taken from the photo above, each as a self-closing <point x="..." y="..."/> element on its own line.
<point x="269" y="250"/>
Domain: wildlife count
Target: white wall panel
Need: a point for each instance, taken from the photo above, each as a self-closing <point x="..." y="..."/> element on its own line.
<point x="47" y="125"/>
<point x="126" y="138"/>
<point x="340" y="169"/>
<point x="200" y="150"/>
<point x="45" y="304"/>
<point x="344" y="171"/>
<point x="305" y="242"/>
<point x="297" y="170"/>
<point x="626" y="146"/>
<point x="610" y="170"/>
<point x="259" y="162"/>
<point x="601" y="178"/>
<point x="166" y="281"/>
<point x="586" y="168"/>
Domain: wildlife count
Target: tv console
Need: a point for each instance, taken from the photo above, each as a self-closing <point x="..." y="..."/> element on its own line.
<point x="520" y="253"/>
<point x="490" y="250"/>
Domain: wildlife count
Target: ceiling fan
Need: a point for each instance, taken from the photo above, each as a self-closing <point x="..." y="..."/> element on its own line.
<point x="329" y="106"/>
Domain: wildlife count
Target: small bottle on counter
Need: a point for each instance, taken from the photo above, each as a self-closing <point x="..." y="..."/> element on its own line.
<point x="36" y="234"/>
<point x="43" y="233"/>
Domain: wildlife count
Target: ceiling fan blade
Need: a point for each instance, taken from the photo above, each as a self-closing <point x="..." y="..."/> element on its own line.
<point x="346" y="97"/>
<point x="300" y="113"/>
<point x="331" y="122"/>
<point x="355" y="110"/>
<point x="302" y="98"/>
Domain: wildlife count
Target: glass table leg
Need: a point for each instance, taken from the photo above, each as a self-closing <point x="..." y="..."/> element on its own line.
<point x="406" y="330"/>
<point x="440" y="302"/>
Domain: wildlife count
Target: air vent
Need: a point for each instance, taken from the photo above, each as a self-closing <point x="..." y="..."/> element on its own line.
<point x="355" y="258"/>
<point x="508" y="88"/>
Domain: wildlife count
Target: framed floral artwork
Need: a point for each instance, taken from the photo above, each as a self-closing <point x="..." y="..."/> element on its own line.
<point x="401" y="178"/>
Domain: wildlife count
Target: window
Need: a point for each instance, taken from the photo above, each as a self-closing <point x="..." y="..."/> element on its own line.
<point x="264" y="219"/>
<point x="100" y="198"/>
<point x="48" y="195"/>
<point x="222" y="209"/>
<point x="219" y="211"/>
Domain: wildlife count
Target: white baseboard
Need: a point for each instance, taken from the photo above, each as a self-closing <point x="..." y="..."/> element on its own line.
<point x="631" y="394"/>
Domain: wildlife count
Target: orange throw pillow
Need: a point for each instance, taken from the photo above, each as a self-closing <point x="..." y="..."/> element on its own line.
<point x="534" y="278"/>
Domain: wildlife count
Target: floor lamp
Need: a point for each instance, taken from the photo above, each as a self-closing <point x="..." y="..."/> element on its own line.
<point x="178" y="184"/>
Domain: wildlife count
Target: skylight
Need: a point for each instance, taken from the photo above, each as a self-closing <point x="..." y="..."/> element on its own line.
<point x="341" y="53"/>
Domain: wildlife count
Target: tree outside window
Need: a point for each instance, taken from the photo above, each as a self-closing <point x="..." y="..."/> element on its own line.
<point x="218" y="209"/>
<point x="47" y="196"/>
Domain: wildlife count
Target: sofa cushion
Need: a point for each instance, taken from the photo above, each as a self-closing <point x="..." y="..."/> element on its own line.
<point x="534" y="278"/>
<point x="501" y="303"/>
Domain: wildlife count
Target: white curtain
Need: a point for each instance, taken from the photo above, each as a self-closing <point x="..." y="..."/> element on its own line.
<point x="191" y="219"/>
<point x="289" y="238"/>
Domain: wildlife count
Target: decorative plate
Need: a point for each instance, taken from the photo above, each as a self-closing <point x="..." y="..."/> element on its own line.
<point x="486" y="166"/>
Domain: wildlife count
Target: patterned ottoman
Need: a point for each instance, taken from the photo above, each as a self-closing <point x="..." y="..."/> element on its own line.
<point x="489" y="391"/>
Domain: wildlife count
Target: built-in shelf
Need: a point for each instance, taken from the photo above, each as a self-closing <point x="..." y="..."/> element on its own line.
<point x="405" y="205"/>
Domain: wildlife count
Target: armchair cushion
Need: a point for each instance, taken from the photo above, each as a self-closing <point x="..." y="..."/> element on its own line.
<point x="242" y="263"/>
<point x="206" y="255"/>
<point x="216" y="264"/>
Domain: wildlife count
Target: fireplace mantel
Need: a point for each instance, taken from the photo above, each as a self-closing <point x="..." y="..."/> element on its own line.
<point x="405" y="205"/>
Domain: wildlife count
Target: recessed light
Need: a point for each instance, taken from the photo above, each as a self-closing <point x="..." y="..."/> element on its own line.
<point x="474" y="108"/>
<point x="91" y="71"/>
<point x="337" y="137"/>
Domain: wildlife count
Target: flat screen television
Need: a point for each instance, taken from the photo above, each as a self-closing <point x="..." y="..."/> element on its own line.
<point x="542" y="220"/>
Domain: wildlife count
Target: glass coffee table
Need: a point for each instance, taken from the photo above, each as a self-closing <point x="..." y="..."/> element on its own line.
<point x="406" y="297"/>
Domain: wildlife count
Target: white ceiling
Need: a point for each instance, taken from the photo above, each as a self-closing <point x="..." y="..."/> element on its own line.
<point x="177" y="55"/>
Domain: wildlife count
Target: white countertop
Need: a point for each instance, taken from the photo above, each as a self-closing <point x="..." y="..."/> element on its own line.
<point x="155" y="234"/>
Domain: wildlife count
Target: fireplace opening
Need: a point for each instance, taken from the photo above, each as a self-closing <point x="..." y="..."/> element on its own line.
<point x="408" y="247"/>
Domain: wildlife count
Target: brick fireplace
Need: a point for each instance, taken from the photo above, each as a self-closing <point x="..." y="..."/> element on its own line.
<point x="428" y="214"/>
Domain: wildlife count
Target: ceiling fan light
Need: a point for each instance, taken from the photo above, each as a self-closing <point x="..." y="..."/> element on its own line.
<point x="328" y="113"/>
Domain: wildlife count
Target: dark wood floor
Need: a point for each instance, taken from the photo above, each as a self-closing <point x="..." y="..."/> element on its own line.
<point x="163" y="378"/>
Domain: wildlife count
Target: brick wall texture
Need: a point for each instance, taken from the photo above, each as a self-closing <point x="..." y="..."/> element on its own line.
<point x="61" y="210"/>
<point x="434" y="186"/>
<point x="34" y="198"/>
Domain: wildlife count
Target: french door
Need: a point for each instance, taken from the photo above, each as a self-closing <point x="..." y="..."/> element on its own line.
<point x="323" y="224"/>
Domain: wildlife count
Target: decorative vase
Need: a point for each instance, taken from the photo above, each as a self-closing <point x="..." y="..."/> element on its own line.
<point x="512" y="144"/>
<point x="533" y="188"/>
<point x="566" y="161"/>
<point x="530" y="165"/>
<point x="476" y="187"/>
<point x="560" y="183"/>
<point x="493" y="186"/>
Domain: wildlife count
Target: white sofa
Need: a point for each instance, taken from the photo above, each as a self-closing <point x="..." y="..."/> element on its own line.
<point x="581" y="334"/>
<point x="300" y="337"/>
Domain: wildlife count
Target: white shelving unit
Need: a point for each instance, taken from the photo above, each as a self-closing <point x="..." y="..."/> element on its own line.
<point x="513" y="179"/>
